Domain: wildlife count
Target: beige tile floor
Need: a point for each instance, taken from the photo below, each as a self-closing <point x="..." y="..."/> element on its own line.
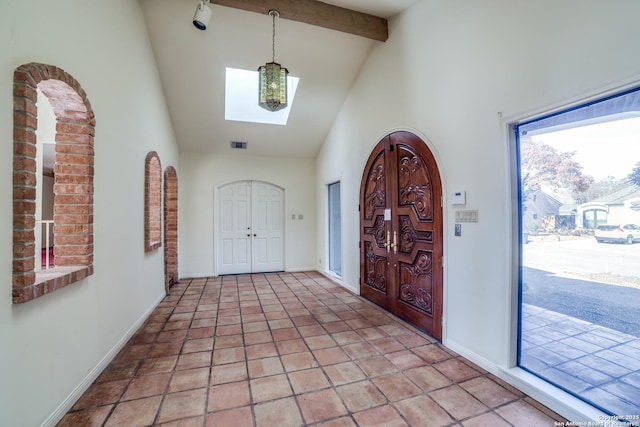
<point x="291" y="349"/>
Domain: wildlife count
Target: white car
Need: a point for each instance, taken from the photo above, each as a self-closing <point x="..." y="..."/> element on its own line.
<point x="628" y="233"/>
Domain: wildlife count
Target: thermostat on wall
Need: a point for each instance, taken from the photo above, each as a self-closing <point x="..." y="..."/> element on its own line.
<point x="459" y="197"/>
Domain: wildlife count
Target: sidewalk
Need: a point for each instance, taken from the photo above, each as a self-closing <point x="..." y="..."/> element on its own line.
<point x="597" y="364"/>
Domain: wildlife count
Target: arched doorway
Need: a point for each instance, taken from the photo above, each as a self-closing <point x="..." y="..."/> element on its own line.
<point x="250" y="237"/>
<point x="401" y="231"/>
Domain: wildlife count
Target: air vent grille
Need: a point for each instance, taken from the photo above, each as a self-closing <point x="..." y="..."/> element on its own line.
<point x="239" y="145"/>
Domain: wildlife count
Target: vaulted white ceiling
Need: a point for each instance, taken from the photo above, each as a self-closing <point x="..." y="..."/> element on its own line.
<point x="192" y="65"/>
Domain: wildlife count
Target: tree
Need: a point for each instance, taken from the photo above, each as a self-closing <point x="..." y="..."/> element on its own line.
<point x="542" y="164"/>
<point x="602" y="187"/>
<point x="634" y="176"/>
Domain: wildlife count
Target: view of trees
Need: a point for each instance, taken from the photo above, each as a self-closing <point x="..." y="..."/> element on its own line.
<point x="601" y="188"/>
<point x="634" y="176"/>
<point x="543" y="164"/>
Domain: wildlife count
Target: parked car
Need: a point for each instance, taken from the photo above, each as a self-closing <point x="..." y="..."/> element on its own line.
<point x="628" y="233"/>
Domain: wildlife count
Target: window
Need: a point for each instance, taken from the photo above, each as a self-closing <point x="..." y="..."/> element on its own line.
<point x="592" y="218"/>
<point x="579" y="325"/>
<point x="241" y="99"/>
<point x="72" y="159"/>
<point x="335" y="229"/>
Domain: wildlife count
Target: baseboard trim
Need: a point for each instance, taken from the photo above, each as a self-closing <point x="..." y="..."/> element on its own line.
<point x="299" y="270"/>
<point x="196" y="276"/>
<point x="82" y="387"/>
<point x="339" y="281"/>
<point x="203" y="275"/>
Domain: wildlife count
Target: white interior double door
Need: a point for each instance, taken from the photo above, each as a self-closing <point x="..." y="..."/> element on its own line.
<point x="250" y="228"/>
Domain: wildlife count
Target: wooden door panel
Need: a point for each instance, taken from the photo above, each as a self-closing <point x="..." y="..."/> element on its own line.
<point x="375" y="193"/>
<point x="414" y="185"/>
<point x="415" y="284"/>
<point x="401" y="178"/>
<point x="375" y="276"/>
<point x="375" y="261"/>
<point x="373" y="232"/>
<point x="419" y="222"/>
<point x="411" y="237"/>
<point x="415" y="292"/>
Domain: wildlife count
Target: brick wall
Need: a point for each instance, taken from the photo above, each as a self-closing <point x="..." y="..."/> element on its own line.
<point x="152" y="202"/>
<point x="73" y="180"/>
<point x="170" y="227"/>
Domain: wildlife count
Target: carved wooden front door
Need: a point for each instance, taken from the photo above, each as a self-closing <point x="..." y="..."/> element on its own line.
<point x="401" y="231"/>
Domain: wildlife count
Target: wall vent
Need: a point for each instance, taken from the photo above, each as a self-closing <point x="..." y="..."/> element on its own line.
<point x="239" y="145"/>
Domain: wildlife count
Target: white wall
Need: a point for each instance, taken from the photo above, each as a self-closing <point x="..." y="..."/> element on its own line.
<point x="202" y="173"/>
<point x="52" y="345"/>
<point x="448" y="72"/>
<point x="620" y="214"/>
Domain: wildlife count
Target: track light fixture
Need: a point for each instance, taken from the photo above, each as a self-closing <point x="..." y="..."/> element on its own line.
<point x="202" y="16"/>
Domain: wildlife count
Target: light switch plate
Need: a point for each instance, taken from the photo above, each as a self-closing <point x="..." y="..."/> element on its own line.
<point x="467" y="215"/>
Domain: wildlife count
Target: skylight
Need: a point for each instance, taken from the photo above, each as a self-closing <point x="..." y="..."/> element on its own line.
<point x="241" y="99"/>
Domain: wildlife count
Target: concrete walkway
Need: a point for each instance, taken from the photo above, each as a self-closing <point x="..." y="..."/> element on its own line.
<point x="597" y="364"/>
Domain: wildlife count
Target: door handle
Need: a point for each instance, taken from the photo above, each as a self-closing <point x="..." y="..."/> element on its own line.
<point x="395" y="242"/>
<point x="388" y="244"/>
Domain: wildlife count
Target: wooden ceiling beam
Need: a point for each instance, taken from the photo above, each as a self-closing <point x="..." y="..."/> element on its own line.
<point x="315" y="12"/>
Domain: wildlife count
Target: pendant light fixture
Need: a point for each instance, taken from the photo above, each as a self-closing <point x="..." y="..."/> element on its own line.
<point x="273" y="78"/>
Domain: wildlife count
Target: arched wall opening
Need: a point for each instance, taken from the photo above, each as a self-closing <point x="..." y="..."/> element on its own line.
<point x="73" y="180"/>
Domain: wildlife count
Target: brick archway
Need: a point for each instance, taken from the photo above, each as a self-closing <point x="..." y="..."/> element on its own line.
<point x="73" y="180"/>
<point x="152" y="202"/>
<point x="170" y="227"/>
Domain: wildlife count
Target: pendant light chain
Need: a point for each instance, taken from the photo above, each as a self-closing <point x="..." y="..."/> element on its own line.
<point x="273" y="37"/>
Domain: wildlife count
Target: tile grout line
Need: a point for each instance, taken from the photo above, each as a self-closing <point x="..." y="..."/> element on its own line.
<point x="293" y="294"/>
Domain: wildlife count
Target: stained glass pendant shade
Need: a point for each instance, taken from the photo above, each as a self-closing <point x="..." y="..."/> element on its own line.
<point x="273" y="78"/>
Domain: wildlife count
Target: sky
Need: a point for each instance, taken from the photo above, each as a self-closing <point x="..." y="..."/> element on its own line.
<point x="603" y="149"/>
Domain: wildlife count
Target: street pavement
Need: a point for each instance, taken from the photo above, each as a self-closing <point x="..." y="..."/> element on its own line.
<point x="613" y="306"/>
